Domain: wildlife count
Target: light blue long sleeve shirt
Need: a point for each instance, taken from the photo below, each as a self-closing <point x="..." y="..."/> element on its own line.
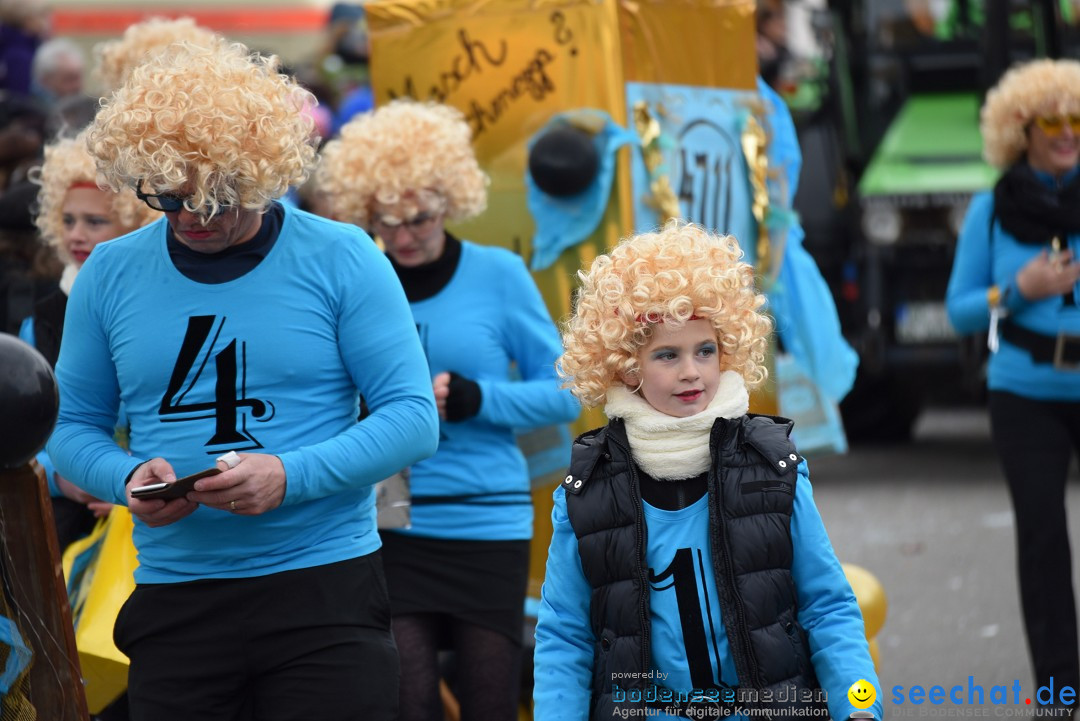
<point x="271" y="362"/>
<point x="488" y="317"/>
<point x="828" y="611"/>
<point x="988" y="255"/>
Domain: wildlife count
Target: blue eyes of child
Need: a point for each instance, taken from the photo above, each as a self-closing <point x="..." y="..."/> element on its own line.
<point x="704" y="351"/>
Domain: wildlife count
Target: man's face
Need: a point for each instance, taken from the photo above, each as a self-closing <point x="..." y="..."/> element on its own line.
<point x="232" y="226"/>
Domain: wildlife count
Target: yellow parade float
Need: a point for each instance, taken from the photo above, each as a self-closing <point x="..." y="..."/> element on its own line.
<point x="668" y="93"/>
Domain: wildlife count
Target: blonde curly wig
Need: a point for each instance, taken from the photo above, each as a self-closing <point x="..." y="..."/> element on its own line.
<point x="68" y="162"/>
<point x="216" y="123"/>
<point x="1040" y="87"/>
<point x="117" y="58"/>
<point x="398" y="151"/>
<point x="663" y="277"/>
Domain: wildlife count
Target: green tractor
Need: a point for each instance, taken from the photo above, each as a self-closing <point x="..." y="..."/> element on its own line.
<point x="900" y="114"/>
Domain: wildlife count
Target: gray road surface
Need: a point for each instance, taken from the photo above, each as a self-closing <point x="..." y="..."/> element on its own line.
<point x="932" y="521"/>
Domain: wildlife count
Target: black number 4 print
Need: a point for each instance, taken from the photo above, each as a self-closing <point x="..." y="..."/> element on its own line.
<point x="229" y="400"/>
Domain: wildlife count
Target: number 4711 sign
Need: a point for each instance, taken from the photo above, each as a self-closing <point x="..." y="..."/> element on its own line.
<point x="229" y="406"/>
<point x="700" y="133"/>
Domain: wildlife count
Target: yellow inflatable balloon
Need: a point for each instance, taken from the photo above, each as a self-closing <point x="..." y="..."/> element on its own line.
<point x="875" y="654"/>
<point x="871" y="597"/>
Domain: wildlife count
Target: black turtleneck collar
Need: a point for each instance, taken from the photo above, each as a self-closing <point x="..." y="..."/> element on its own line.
<point x="424" y="281"/>
<point x="672" y="495"/>
<point x="232" y="262"/>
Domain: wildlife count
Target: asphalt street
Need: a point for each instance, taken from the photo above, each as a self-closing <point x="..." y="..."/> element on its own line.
<point x="932" y="520"/>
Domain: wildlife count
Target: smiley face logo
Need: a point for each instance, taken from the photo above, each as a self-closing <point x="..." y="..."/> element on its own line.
<point x="862" y="694"/>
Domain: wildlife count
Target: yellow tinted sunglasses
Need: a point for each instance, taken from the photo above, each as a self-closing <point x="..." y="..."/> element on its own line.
<point x="1054" y="125"/>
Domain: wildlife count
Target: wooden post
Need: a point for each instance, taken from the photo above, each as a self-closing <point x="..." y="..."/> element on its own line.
<point x="36" y="580"/>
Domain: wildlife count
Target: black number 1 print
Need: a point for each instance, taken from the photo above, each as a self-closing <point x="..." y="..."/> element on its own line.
<point x="684" y="579"/>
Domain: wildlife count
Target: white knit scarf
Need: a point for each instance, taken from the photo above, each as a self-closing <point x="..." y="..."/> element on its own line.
<point x="672" y="448"/>
<point x="68" y="278"/>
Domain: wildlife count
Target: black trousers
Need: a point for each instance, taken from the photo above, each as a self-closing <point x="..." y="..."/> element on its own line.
<point x="1036" y="441"/>
<point x="313" y="643"/>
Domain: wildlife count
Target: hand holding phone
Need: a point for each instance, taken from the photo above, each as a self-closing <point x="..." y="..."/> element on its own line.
<point x="169" y="491"/>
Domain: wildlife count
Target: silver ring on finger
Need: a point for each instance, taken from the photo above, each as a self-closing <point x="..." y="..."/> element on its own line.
<point x="232" y="506"/>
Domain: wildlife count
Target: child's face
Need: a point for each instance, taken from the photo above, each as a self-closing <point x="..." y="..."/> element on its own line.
<point x="680" y="368"/>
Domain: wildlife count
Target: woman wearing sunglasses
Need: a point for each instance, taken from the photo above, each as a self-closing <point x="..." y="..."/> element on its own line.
<point x="1015" y="274"/>
<point x="73" y="216"/>
<point x="457" y="577"/>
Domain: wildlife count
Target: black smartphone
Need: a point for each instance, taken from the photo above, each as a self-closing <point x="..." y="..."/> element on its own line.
<point x="168" y="491"/>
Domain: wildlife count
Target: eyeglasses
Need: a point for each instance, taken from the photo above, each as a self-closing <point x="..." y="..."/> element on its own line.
<point x="169" y="202"/>
<point x="1054" y="125"/>
<point x="165" y="202"/>
<point x="418" y="226"/>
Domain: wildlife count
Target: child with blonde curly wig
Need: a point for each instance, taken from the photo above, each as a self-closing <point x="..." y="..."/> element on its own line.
<point x="240" y="329"/>
<point x="1016" y="275"/>
<point x="689" y="571"/>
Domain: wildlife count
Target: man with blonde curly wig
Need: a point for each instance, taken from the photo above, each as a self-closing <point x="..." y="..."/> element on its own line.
<point x="458" y="575"/>
<point x="689" y="571"/>
<point x="1016" y="273"/>
<point x="240" y="329"/>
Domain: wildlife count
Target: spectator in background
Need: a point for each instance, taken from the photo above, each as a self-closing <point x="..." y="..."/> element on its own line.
<point x="58" y="70"/>
<point x="260" y="594"/>
<point x="22" y="136"/>
<point x="24" y="25"/>
<point x="457" y="576"/>
<point x="347" y="53"/>
<point x="772" y="45"/>
<point x="117" y="58"/>
<point x="28" y="268"/>
<point x="1015" y="272"/>
<point x="69" y="116"/>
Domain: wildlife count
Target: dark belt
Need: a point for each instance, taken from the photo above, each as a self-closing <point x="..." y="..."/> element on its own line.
<point x="1061" y="350"/>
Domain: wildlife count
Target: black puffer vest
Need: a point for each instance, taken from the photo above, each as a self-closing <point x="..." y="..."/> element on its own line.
<point x="751" y="495"/>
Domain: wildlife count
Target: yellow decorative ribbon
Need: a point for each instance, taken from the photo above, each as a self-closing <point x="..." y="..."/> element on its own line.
<point x="662" y="198"/>
<point x="754" y="146"/>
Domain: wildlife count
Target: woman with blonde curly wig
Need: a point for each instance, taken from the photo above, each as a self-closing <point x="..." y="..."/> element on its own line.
<point x="117" y="58"/>
<point x="1015" y="273"/>
<point x="74" y="215"/>
<point x="458" y="575"/>
<point x="240" y="334"/>
<point x="680" y="495"/>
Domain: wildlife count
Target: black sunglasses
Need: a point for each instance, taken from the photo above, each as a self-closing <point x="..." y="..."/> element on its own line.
<point x="165" y="202"/>
<point x="169" y="202"/>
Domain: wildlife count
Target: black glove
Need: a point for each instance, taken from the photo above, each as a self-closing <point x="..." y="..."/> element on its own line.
<point x="463" y="402"/>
